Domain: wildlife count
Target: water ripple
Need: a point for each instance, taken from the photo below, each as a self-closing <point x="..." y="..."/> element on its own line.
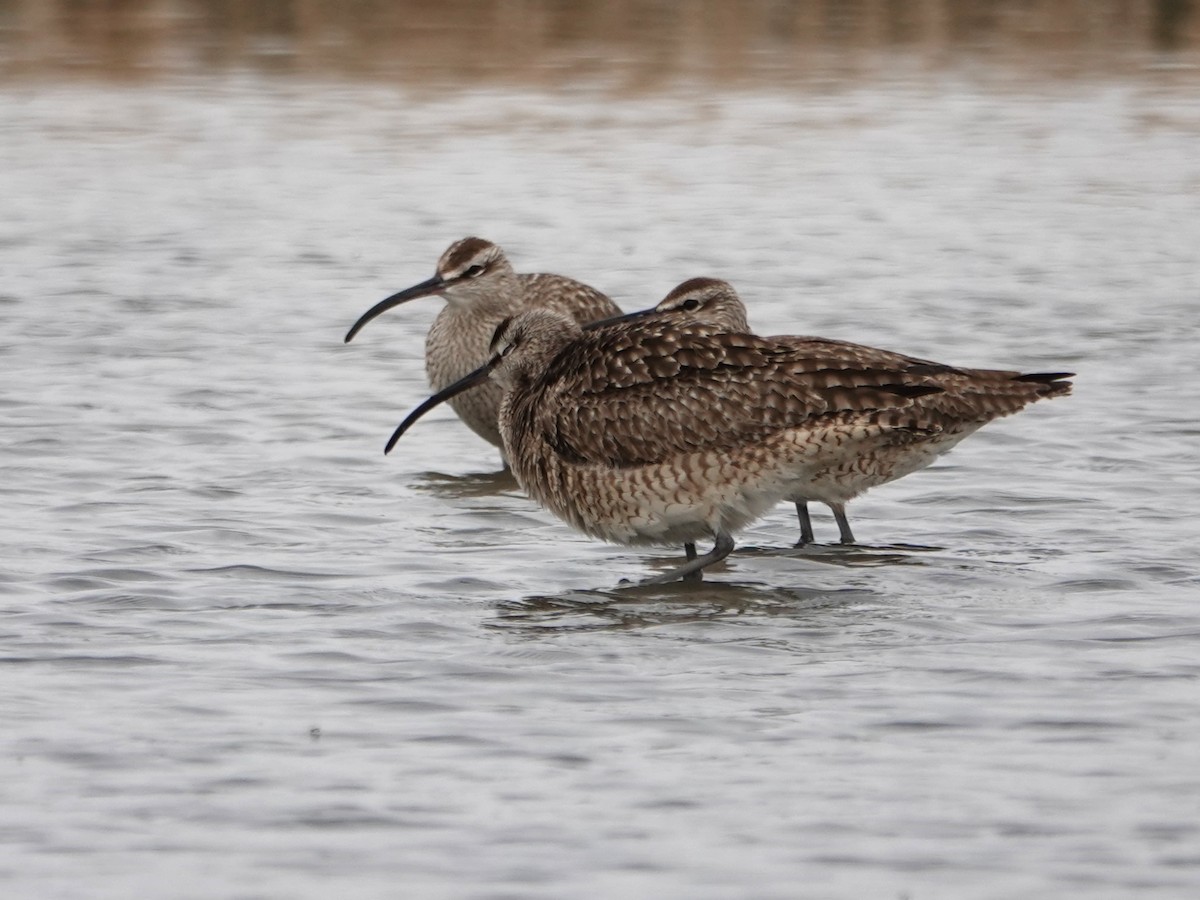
<point x="244" y="651"/>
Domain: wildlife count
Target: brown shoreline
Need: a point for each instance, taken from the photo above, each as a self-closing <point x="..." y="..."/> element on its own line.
<point x="634" y="43"/>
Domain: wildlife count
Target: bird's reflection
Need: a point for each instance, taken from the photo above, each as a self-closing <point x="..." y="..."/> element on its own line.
<point x="849" y="555"/>
<point x="645" y="606"/>
<point x="472" y="484"/>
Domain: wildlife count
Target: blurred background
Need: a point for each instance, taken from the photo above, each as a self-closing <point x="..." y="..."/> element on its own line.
<point x="630" y="44"/>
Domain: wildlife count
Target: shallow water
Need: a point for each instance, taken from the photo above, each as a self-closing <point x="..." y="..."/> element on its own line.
<point x="248" y="655"/>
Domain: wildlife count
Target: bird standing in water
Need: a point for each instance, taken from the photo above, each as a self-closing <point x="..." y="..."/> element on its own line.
<point x="650" y="432"/>
<point x="968" y="400"/>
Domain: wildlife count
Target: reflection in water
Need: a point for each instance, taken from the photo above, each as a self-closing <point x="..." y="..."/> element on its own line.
<point x="637" y="607"/>
<point x="475" y="484"/>
<point x="638" y="42"/>
<point x="850" y="555"/>
<point x="631" y="605"/>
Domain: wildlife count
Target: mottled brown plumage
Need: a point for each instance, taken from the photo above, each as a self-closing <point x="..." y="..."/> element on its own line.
<point x="968" y="399"/>
<point x="481" y="290"/>
<point x="654" y="432"/>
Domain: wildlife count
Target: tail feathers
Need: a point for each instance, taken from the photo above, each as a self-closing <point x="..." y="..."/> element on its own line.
<point x="1051" y="383"/>
<point x="980" y="396"/>
<point x="1045" y="376"/>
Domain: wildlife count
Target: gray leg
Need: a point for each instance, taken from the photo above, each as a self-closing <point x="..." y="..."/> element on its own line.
<point x="839" y="513"/>
<point x="806" y="532"/>
<point x="693" y="568"/>
<point x="689" y="550"/>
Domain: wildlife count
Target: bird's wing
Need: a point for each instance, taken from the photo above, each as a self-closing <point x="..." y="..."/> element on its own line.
<point x="640" y="396"/>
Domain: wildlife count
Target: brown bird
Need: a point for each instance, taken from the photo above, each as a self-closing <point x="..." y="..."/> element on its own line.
<point x="655" y="432"/>
<point x="969" y="399"/>
<point x="481" y="290"/>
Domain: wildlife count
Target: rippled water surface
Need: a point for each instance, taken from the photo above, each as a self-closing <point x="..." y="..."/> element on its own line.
<point x="248" y="655"/>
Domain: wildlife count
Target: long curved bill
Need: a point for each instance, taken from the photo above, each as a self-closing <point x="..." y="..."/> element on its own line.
<point x="626" y="317"/>
<point x="467" y="381"/>
<point x="424" y="289"/>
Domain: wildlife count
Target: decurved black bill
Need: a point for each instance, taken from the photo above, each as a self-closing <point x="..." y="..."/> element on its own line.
<point x="625" y="317"/>
<point x="424" y="289"/>
<point x="467" y="381"/>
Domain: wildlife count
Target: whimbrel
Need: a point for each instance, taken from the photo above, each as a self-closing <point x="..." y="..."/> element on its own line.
<point x="970" y="398"/>
<point x="654" y="432"/>
<point x="481" y="290"/>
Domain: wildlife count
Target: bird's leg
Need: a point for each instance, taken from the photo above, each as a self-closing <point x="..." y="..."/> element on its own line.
<point x="839" y="513"/>
<point x="689" y="550"/>
<point x="693" y="568"/>
<point x="806" y="532"/>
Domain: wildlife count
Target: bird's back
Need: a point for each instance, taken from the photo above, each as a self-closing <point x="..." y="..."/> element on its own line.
<point x="572" y="298"/>
<point x="637" y="395"/>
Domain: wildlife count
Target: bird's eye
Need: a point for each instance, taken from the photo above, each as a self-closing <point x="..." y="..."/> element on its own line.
<point x="691" y="304"/>
<point x="472" y="271"/>
<point x="507" y="348"/>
